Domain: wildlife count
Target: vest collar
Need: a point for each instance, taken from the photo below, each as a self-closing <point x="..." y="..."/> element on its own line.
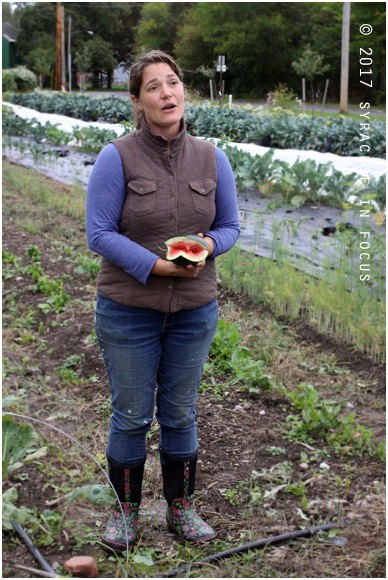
<point x="160" y="143"/>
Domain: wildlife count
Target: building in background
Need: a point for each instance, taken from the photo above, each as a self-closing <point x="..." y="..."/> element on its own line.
<point x="10" y="57"/>
<point x="121" y="75"/>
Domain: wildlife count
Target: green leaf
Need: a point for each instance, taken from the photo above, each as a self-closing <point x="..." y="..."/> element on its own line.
<point x="302" y="515"/>
<point x="298" y="201"/>
<point x="143" y="560"/>
<point x="10" y="400"/>
<point x="306" y="414"/>
<point x="36" y="455"/>
<point x="96" y="494"/>
<point x="18" y="441"/>
<point x="10" y="512"/>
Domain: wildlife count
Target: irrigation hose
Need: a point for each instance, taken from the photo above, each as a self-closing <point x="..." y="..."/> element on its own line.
<point x="33" y="549"/>
<point x="88" y="453"/>
<point x="253" y="546"/>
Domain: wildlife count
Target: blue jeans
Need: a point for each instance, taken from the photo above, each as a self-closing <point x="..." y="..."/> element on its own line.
<point x="146" y="350"/>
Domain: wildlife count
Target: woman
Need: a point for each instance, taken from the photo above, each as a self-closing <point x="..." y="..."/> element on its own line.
<point x="155" y="320"/>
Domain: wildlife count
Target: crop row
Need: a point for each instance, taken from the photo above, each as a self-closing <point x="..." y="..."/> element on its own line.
<point x="282" y="131"/>
<point x="303" y="181"/>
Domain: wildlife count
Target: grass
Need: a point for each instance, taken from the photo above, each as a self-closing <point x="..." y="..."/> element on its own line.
<point x="355" y="317"/>
<point x="68" y="200"/>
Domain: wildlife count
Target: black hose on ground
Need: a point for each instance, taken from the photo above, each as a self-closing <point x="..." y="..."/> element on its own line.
<point x="253" y="546"/>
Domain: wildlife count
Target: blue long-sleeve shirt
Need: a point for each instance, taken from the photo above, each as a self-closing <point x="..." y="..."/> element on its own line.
<point x="104" y="202"/>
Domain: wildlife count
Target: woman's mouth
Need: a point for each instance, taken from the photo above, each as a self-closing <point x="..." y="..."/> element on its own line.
<point x="169" y="107"/>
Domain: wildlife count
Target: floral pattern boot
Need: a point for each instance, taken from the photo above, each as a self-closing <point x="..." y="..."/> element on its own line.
<point x="180" y="516"/>
<point x="115" y="533"/>
<point x="124" y="520"/>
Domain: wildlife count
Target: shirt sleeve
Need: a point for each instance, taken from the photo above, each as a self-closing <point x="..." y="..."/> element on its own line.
<point x="104" y="202"/>
<point x="225" y="228"/>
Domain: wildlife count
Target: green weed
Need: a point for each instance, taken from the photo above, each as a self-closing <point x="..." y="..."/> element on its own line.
<point x="34" y="253"/>
<point x="88" y="266"/>
<point x="321" y="417"/>
<point x="229" y="354"/>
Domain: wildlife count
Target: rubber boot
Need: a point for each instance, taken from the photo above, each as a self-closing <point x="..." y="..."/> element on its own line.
<point x="178" y="488"/>
<point x="127" y="483"/>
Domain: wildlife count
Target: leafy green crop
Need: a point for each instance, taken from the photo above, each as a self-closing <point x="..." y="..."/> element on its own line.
<point x="228" y="353"/>
<point x="19" y="446"/>
<point x="10" y="512"/>
<point x="287" y="131"/>
<point x="321" y="417"/>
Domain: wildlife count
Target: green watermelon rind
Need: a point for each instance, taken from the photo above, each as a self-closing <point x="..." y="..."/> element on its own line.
<point x="183" y="259"/>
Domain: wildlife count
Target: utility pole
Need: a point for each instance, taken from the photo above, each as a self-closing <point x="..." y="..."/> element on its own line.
<point x="58" y="49"/>
<point x="63" y="57"/>
<point x="345" y="58"/>
<point x="69" y="53"/>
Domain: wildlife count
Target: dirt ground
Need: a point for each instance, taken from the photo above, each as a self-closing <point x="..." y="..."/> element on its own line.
<point x="238" y="431"/>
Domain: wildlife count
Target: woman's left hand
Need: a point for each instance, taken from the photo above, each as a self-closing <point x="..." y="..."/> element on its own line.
<point x="210" y="247"/>
<point x="198" y="267"/>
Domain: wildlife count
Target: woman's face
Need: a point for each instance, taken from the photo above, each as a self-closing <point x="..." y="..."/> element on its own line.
<point x="161" y="98"/>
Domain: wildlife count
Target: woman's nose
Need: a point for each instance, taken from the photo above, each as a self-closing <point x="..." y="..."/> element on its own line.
<point x="166" y="91"/>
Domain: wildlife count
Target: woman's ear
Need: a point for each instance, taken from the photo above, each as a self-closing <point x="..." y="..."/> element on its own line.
<point x="136" y="102"/>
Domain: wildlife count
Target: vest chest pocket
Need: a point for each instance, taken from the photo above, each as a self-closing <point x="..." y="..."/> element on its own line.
<point x="141" y="196"/>
<point x="203" y="193"/>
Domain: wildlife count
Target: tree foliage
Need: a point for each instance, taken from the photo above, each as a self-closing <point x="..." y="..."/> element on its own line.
<point x="159" y="24"/>
<point x="260" y="40"/>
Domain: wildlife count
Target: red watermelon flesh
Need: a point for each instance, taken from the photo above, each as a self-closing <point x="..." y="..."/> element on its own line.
<point x="183" y="250"/>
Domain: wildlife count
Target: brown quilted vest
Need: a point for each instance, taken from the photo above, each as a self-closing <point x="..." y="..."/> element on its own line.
<point x="168" y="193"/>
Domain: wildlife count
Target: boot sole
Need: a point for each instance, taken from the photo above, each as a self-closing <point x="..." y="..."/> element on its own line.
<point x="117" y="548"/>
<point x="172" y="529"/>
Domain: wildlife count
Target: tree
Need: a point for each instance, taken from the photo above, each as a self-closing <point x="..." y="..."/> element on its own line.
<point x="113" y="22"/>
<point x="326" y="21"/>
<point x="259" y="40"/>
<point x="41" y="61"/>
<point x="158" y="24"/>
<point x="37" y="24"/>
<point x="309" y="66"/>
<point x="101" y="57"/>
<point x="83" y="63"/>
<point x="9" y="14"/>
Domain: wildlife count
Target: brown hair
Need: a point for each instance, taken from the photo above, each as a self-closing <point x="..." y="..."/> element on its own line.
<point x="136" y="76"/>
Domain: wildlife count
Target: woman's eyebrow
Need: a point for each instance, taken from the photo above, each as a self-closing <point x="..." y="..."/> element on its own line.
<point x="156" y="78"/>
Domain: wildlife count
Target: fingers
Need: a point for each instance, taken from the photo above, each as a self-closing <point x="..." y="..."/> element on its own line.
<point x="190" y="271"/>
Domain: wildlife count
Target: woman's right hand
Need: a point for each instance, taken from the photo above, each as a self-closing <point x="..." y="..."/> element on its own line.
<point x="167" y="268"/>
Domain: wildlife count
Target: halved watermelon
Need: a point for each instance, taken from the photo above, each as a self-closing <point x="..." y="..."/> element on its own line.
<point x="186" y="249"/>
